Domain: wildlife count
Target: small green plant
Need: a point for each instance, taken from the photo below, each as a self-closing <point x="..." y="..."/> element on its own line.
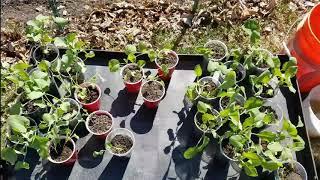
<point x="213" y="51"/>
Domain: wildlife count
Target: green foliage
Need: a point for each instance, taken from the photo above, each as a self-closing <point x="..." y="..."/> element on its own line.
<point x="193" y="151"/>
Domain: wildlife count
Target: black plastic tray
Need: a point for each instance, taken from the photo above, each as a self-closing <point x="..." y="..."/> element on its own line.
<point x="162" y="135"/>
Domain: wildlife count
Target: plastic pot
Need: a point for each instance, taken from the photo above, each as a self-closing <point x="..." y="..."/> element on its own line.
<point x="152" y="104"/>
<point x="71" y="159"/>
<point x="132" y="87"/>
<point x="298" y="168"/>
<point x="93" y="106"/>
<point x="51" y="47"/>
<point x="203" y="98"/>
<point x="273" y="86"/>
<point x="73" y="122"/>
<point x="200" y="131"/>
<point x="311" y="112"/>
<point x="258" y="70"/>
<point x="120" y="131"/>
<point x="239" y="68"/>
<point x="239" y="98"/>
<point x="36" y="114"/>
<point x="99" y="135"/>
<point x="233" y="162"/>
<point x="212" y="43"/>
<point x="171" y="69"/>
<point x="79" y="77"/>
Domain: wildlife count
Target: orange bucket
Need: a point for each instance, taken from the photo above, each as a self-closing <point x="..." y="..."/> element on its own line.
<point x="305" y="46"/>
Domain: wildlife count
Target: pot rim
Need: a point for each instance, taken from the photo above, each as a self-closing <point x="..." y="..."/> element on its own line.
<point x="237" y="97"/>
<point x="268" y="52"/>
<point x="222" y="152"/>
<point x="86" y="84"/>
<point x="208" y="131"/>
<point x="73" y="151"/>
<point x="215" y="41"/>
<point x="53" y="47"/>
<point x="170" y="52"/>
<point x="131" y="135"/>
<point x="217" y="83"/>
<point x="122" y="69"/>
<point x="163" y="92"/>
<point x="102" y="112"/>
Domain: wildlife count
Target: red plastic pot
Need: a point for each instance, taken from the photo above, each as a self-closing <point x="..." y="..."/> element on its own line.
<point x="153" y="104"/>
<point x="101" y="135"/>
<point x="93" y="106"/>
<point x="132" y="87"/>
<point x="69" y="161"/>
<point x="171" y="69"/>
<point x="305" y="46"/>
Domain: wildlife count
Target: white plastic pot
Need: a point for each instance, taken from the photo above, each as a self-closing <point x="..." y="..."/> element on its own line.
<point x="120" y="131"/>
<point x="311" y="112"/>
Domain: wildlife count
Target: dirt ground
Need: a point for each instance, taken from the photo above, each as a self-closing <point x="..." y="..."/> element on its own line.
<point x="110" y="24"/>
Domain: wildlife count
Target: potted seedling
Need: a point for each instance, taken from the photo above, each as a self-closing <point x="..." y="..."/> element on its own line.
<point x="70" y="110"/>
<point x="274" y="114"/>
<point x="232" y="96"/>
<point x="166" y="62"/>
<point x="152" y="92"/>
<point x="191" y="94"/>
<point x="132" y="72"/>
<point x="260" y="60"/>
<point x="99" y="123"/>
<point x="62" y="151"/>
<point x="207" y="119"/>
<point x="264" y="85"/>
<point x="238" y="68"/>
<point x="119" y="142"/>
<point x="40" y="31"/>
<point x="214" y="50"/>
<point x="70" y="65"/>
<point x="292" y="170"/>
<point x="207" y="88"/>
<point x="22" y="135"/>
<point x="88" y="95"/>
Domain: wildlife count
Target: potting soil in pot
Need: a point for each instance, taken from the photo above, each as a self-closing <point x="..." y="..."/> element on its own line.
<point x="29" y="107"/>
<point x="121" y="144"/>
<point x="132" y="74"/>
<point x="152" y="90"/>
<point x="209" y="88"/>
<point x="229" y="150"/>
<point x="100" y="123"/>
<point x="289" y="173"/>
<point x="218" y="52"/>
<point x="92" y="95"/>
<point x="268" y="109"/>
<point x="62" y="151"/>
<point x="170" y="60"/>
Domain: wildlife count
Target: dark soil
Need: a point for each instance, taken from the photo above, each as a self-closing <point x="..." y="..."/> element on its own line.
<point x="170" y="60"/>
<point x="225" y="102"/>
<point x="30" y="107"/>
<point x="100" y="123"/>
<point x="229" y="150"/>
<point x="50" y="56"/>
<point x="289" y="173"/>
<point x="62" y="152"/>
<point x="264" y="94"/>
<point x="152" y="90"/>
<point x="263" y="65"/>
<point x="264" y="145"/>
<point x="218" y="51"/>
<point x="132" y="73"/>
<point x="209" y="88"/>
<point x="92" y="95"/>
<point x="121" y="144"/>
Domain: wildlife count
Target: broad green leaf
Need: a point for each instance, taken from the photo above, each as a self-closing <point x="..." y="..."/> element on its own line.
<point x="18" y="123"/>
<point x="15" y="109"/>
<point x="252" y="25"/>
<point x="59" y="42"/>
<point x="253" y="157"/>
<point x="190" y="153"/>
<point x="141" y="63"/>
<point x="65" y="106"/>
<point x="289" y="127"/>
<point x="40" y="144"/>
<point x="198" y="70"/>
<point x="253" y="102"/>
<point x="207" y="117"/>
<point x="165" y="69"/>
<point x="130" y="49"/>
<point x="71" y="37"/>
<point x="60" y="21"/>
<point x="205" y="142"/>
<point x="21" y="165"/>
<point x="35" y="95"/>
<point x="203" y="107"/>
<point x="131" y="57"/>
<point x="267" y="136"/>
<point x="20" y="66"/>
<point x="152" y="55"/>
<point x="237" y="141"/>
<point x="229" y="81"/>
<point x="9" y="155"/>
<point x="142" y="47"/>
<point x="48" y="118"/>
<point x="114" y="65"/>
<point x="249" y="169"/>
<point x="298" y="143"/>
<point x="271" y="166"/>
<point x="286" y="154"/>
<point x="44" y="65"/>
<point x="275" y="147"/>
